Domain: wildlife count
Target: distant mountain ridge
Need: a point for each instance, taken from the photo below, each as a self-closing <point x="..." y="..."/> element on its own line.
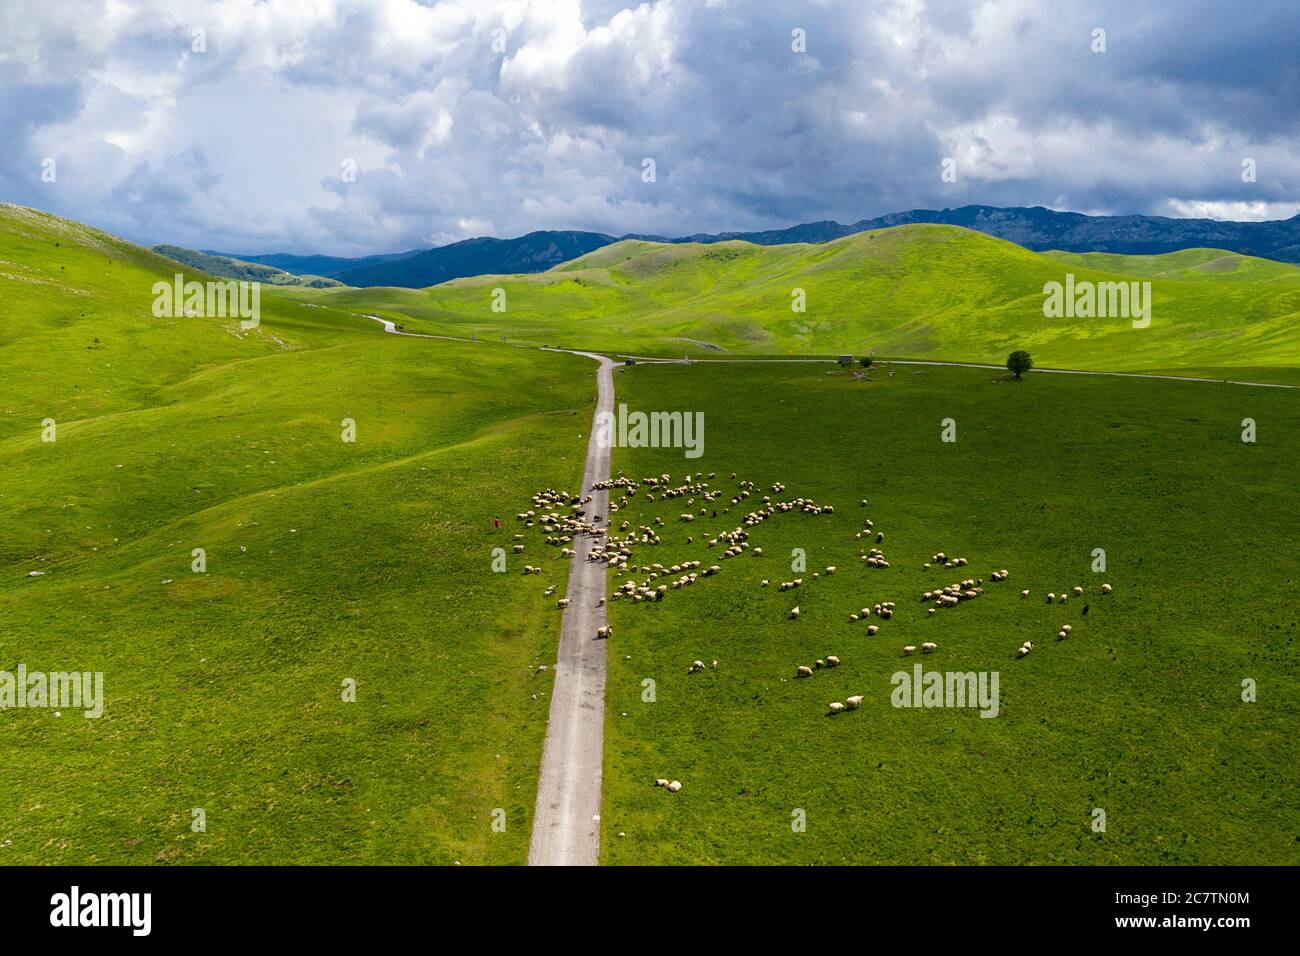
<point x="226" y="267"/>
<point x="418" y="268"/>
<point x="328" y="266"/>
<point x="1033" y="227"/>
<point x="534" y="252"/>
<point x="1040" y="229"/>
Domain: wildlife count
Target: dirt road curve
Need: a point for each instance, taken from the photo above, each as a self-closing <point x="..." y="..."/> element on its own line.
<point x="391" y="329"/>
<point x="566" y="824"/>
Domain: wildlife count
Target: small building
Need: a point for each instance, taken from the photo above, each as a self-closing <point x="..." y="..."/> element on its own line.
<point x="630" y="361"/>
<point x="845" y="359"/>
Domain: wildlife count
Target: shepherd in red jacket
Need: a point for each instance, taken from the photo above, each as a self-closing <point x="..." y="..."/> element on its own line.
<point x="497" y="522"/>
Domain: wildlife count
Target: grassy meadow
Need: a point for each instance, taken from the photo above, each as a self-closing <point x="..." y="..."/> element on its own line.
<point x="325" y="561"/>
<point x="1139" y="713"/>
<point x="370" y="560"/>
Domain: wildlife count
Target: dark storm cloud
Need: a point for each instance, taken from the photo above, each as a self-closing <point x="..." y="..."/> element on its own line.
<point x="472" y="117"/>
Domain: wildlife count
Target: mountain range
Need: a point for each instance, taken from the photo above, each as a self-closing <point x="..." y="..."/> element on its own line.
<point x="247" y="270"/>
<point x="1034" y="227"/>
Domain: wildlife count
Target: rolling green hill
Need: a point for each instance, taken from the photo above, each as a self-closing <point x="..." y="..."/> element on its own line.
<point x="1186" y="264"/>
<point x="921" y="291"/>
<point x="325" y="561"/>
<point x="1030" y="227"/>
<point x="230" y="268"/>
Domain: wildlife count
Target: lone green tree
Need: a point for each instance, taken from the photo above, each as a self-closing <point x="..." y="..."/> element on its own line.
<point x="865" y="361"/>
<point x="1019" y="362"/>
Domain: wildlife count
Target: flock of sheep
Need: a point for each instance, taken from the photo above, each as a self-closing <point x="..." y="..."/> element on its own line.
<point x="563" y="518"/>
<point x="619" y="547"/>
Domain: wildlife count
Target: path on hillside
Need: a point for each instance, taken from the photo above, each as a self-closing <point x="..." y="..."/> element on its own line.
<point x="566" y="824"/>
<point x="659" y="360"/>
<point x="392" y="329"/>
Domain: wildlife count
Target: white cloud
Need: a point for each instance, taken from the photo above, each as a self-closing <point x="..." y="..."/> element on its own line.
<point x="240" y="146"/>
<point x="1238" y="211"/>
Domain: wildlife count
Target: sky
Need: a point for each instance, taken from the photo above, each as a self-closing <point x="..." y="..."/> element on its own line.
<point x="351" y="127"/>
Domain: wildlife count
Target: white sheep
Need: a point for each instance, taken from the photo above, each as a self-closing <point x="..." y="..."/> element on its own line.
<point x="851" y="703"/>
<point x="929" y="646"/>
<point x="836" y="707"/>
<point x="803" y="671"/>
<point x="909" y="649"/>
<point x="794" y="615"/>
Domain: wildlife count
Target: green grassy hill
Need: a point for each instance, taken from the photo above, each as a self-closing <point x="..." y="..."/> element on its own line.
<point x="1186" y="264"/>
<point x="919" y="291"/>
<point x="325" y="560"/>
